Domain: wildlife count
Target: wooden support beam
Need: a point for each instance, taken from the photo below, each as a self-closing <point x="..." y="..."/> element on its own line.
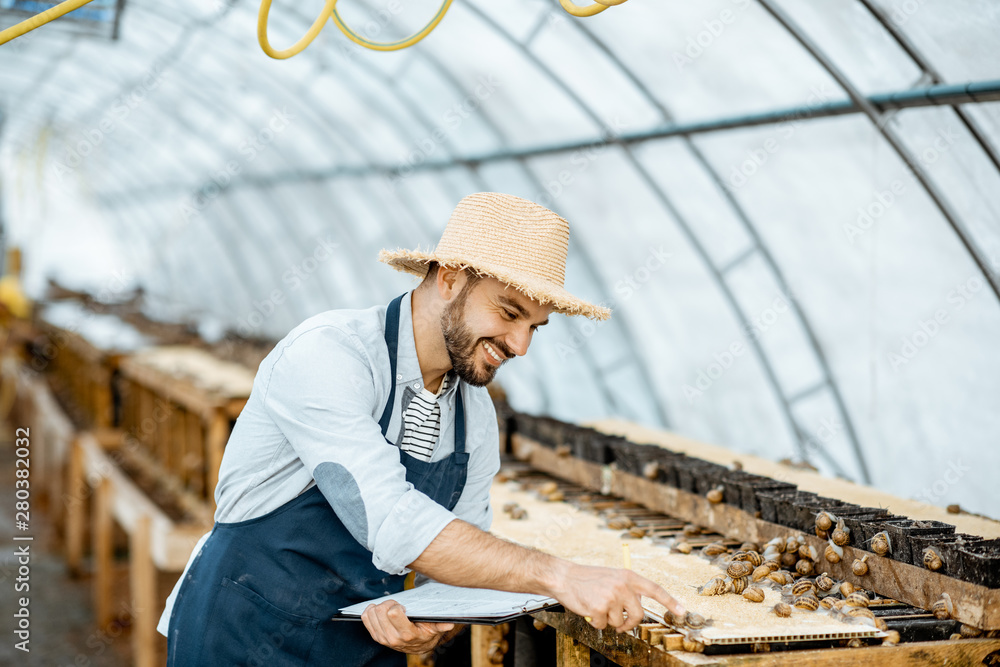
<point x="571" y="653"/>
<point x="489" y="644"/>
<point x="76" y="505"/>
<point x="977" y="606"/>
<point x="142" y="576"/>
<point x="103" y="557"/>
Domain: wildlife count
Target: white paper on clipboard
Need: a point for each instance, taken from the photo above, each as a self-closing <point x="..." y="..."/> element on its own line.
<point x="441" y="602"/>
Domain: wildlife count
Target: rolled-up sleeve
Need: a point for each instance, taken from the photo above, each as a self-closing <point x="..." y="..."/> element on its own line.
<point x="321" y="394"/>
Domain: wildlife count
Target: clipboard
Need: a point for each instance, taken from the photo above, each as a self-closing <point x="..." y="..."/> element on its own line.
<point x="440" y="603"/>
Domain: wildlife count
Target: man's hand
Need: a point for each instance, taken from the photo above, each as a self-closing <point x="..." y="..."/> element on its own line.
<point x="389" y="626"/>
<point x="611" y="598"/>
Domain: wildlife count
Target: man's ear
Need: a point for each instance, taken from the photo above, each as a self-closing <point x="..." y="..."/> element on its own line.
<point x="450" y="282"/>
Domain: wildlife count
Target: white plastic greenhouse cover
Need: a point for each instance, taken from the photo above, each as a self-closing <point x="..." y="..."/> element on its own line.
<point x="791" y="288"/>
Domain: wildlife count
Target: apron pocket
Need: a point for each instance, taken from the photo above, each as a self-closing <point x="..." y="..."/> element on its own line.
<point x="257" y="632"/>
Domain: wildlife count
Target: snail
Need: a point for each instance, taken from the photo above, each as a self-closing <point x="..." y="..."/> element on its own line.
<point x="778" y="544"/>
<point x="943" y="609"/>
<point x="518" y="513"/>
<point x="791" y="544"/>
<point x="620" y="523"/>
<point x="860" y="612"/>
<point x="846" y="588"/>
<point x="749" y="546"/>
<point x="692" y="646"/>
<point x="968" y="631"/>
<point x="715" y="495"/>
<point x="805" y="551"/>
<point x="690" y="530"/>
<point x="824" y="522"/>
<point x="805" y="567"/>
<point x="803" y="586"/>
<point x="547" y="488"/>
<point x="807" y="602"/>
<point x="754" y="558"/>
<point x="754" y="594"/>
<point x="856" y="599"/>
<point x="841" y="535"/>
<point x="891" y="639"/>
<point x="789" y="558"/>
<point x="781" y="577"/>
<point x="740" y="555"/>
<point x="859" y="566"/>
<point x="881" y="624"/>
<point x="636" y="531"/>
<point x="826" y="603"/>
<point x="932" y="559"/>
<point x="824" y="582"/>
<point x="714" y="549"/>
<point x="555" y="497"/>
<point x="738" y="585"/>
<point x="739" y="568"/>
<point x="881" y="544"/>
<point x="693" y="620"/>
<point x="772" y="565"/>
<point x="509" y="507"/>
<point x="833" y="553"/>
<point x="563" y="451"/>
<point x="782" y="609"/>
<point x="651" y="470"/>
<point x="760" y="572"/>
<point x="683" y="547"/>
<point x="715" y="586"/>
<point x="855" y="643"/>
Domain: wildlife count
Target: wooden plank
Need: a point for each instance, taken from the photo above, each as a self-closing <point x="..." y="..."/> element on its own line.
<point x="571" y="653"/>
<point x="489" y="644"/>
<point x="975" y="605"/>
<point x="102" y="552"/>
<point x="142" y="575"/>
<point x="75" y="503"/>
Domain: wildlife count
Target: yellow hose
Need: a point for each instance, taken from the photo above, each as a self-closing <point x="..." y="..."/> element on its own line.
<point x="314" y="29"/>
<point x="392" y="46"/>
<point x="577" y="10"/>
<point x="27" y="25"/>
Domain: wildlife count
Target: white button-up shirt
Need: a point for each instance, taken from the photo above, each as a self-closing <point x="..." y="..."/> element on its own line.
<point x="316" y="399"/>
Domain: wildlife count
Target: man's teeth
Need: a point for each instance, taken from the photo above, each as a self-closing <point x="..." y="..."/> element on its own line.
<point x="490" y="350"/>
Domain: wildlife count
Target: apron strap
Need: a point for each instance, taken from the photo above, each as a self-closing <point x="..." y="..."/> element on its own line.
<point x="391" y="336"/>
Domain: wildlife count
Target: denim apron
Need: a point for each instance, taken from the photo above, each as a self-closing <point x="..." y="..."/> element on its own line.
<point x="262" y="591"/>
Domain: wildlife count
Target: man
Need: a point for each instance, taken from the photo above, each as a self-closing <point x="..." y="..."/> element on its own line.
<point x="366" y="450"/>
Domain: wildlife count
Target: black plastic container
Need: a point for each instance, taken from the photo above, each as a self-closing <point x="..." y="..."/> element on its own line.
<point x="526" y="425"/>
<point x="871" y="527"/>
<point x="708" y="476"/>
<point x="752" y="487"/>
<point x="666" y="472"/>
<point x="589" y="445"/>
<point x="807" y="508"/>
<point x="855" y="517"/>
<point x="948" y="547"/>
<point x="787" y="507"/>
<point x="900" y="530"/>
<point x="981" y="563"/>
<point x="626" y="455"/>
<point x="686" y="467"/>
<point x="733" y="483"/>
<point x="768" y="501"/>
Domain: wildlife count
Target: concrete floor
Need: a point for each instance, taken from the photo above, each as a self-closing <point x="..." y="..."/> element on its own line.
<point x="63" y="630"/>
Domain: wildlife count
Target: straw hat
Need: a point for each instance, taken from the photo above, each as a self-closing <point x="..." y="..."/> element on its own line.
<point x="514" y="240"/>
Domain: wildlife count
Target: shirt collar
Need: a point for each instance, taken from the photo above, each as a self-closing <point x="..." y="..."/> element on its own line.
<point x="407" y="366"/>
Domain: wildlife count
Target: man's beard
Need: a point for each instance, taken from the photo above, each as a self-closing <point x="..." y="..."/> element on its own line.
<point x="462" y="348"/>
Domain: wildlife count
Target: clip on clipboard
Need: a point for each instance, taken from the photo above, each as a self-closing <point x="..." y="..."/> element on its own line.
<point x="440" y="603"/>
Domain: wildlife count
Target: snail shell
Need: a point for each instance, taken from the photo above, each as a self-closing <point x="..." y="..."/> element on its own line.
<point x="881" y="544"/>
<point x="932" y="559"/>
<point x="860" y="612"/>
<point x="739" y="584"/>
<point x="563" y="450"/>
<point x="692" y="646"/>
<point x="859" y="566"/>
<point x="715" y="495"/>
<point x="833" y="553"/>
<point x="856" y="599"/>
<point x="781" y="577"/>
<point x="778" y="544"/>
<point x="772" y="565"/>
<point x="943" y="608"/>
<point x="891" y="639"/>
<point x="690" y="530"/>
<point x="749" y="546"/>
<point x="651" y="470"/>
<point x="803" y="586"/>
<point x="791" y="544"/>
<point x="760" y="572"/>
<point x="824" y="522"/>
<point x="636" y="531"/>
<point x="827" y="603"/>
<point x="881" y="624"/>
<point x="555" y="497"/>
<point x="754" y="558"/>
<point x="693" y="620"/>
<point x="969" y="631"/>
<point x="754" y="594"/>
<point x="509" y="507"/>
<point x="547" y="488"/>
<point x="846" y="588"/>
<point x="804" y="551"/>
<point x="808" y="602"/>
<point x="715" y="586"/>
<point x="782" y="609"/>
<point x="740" y="555"/>
<point x="739" y="568"/>
<point x="683" y="547"/>
<point x="714" y="549"/>
<point x="842" y="534"/>
<point x="823" y="582"/>
<point x="518" y="513"/>
<point x="620" y="523"/>
<point x="789" y="558"/>
<point x="855" y="643"/>
<point x="805" y="567"/>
